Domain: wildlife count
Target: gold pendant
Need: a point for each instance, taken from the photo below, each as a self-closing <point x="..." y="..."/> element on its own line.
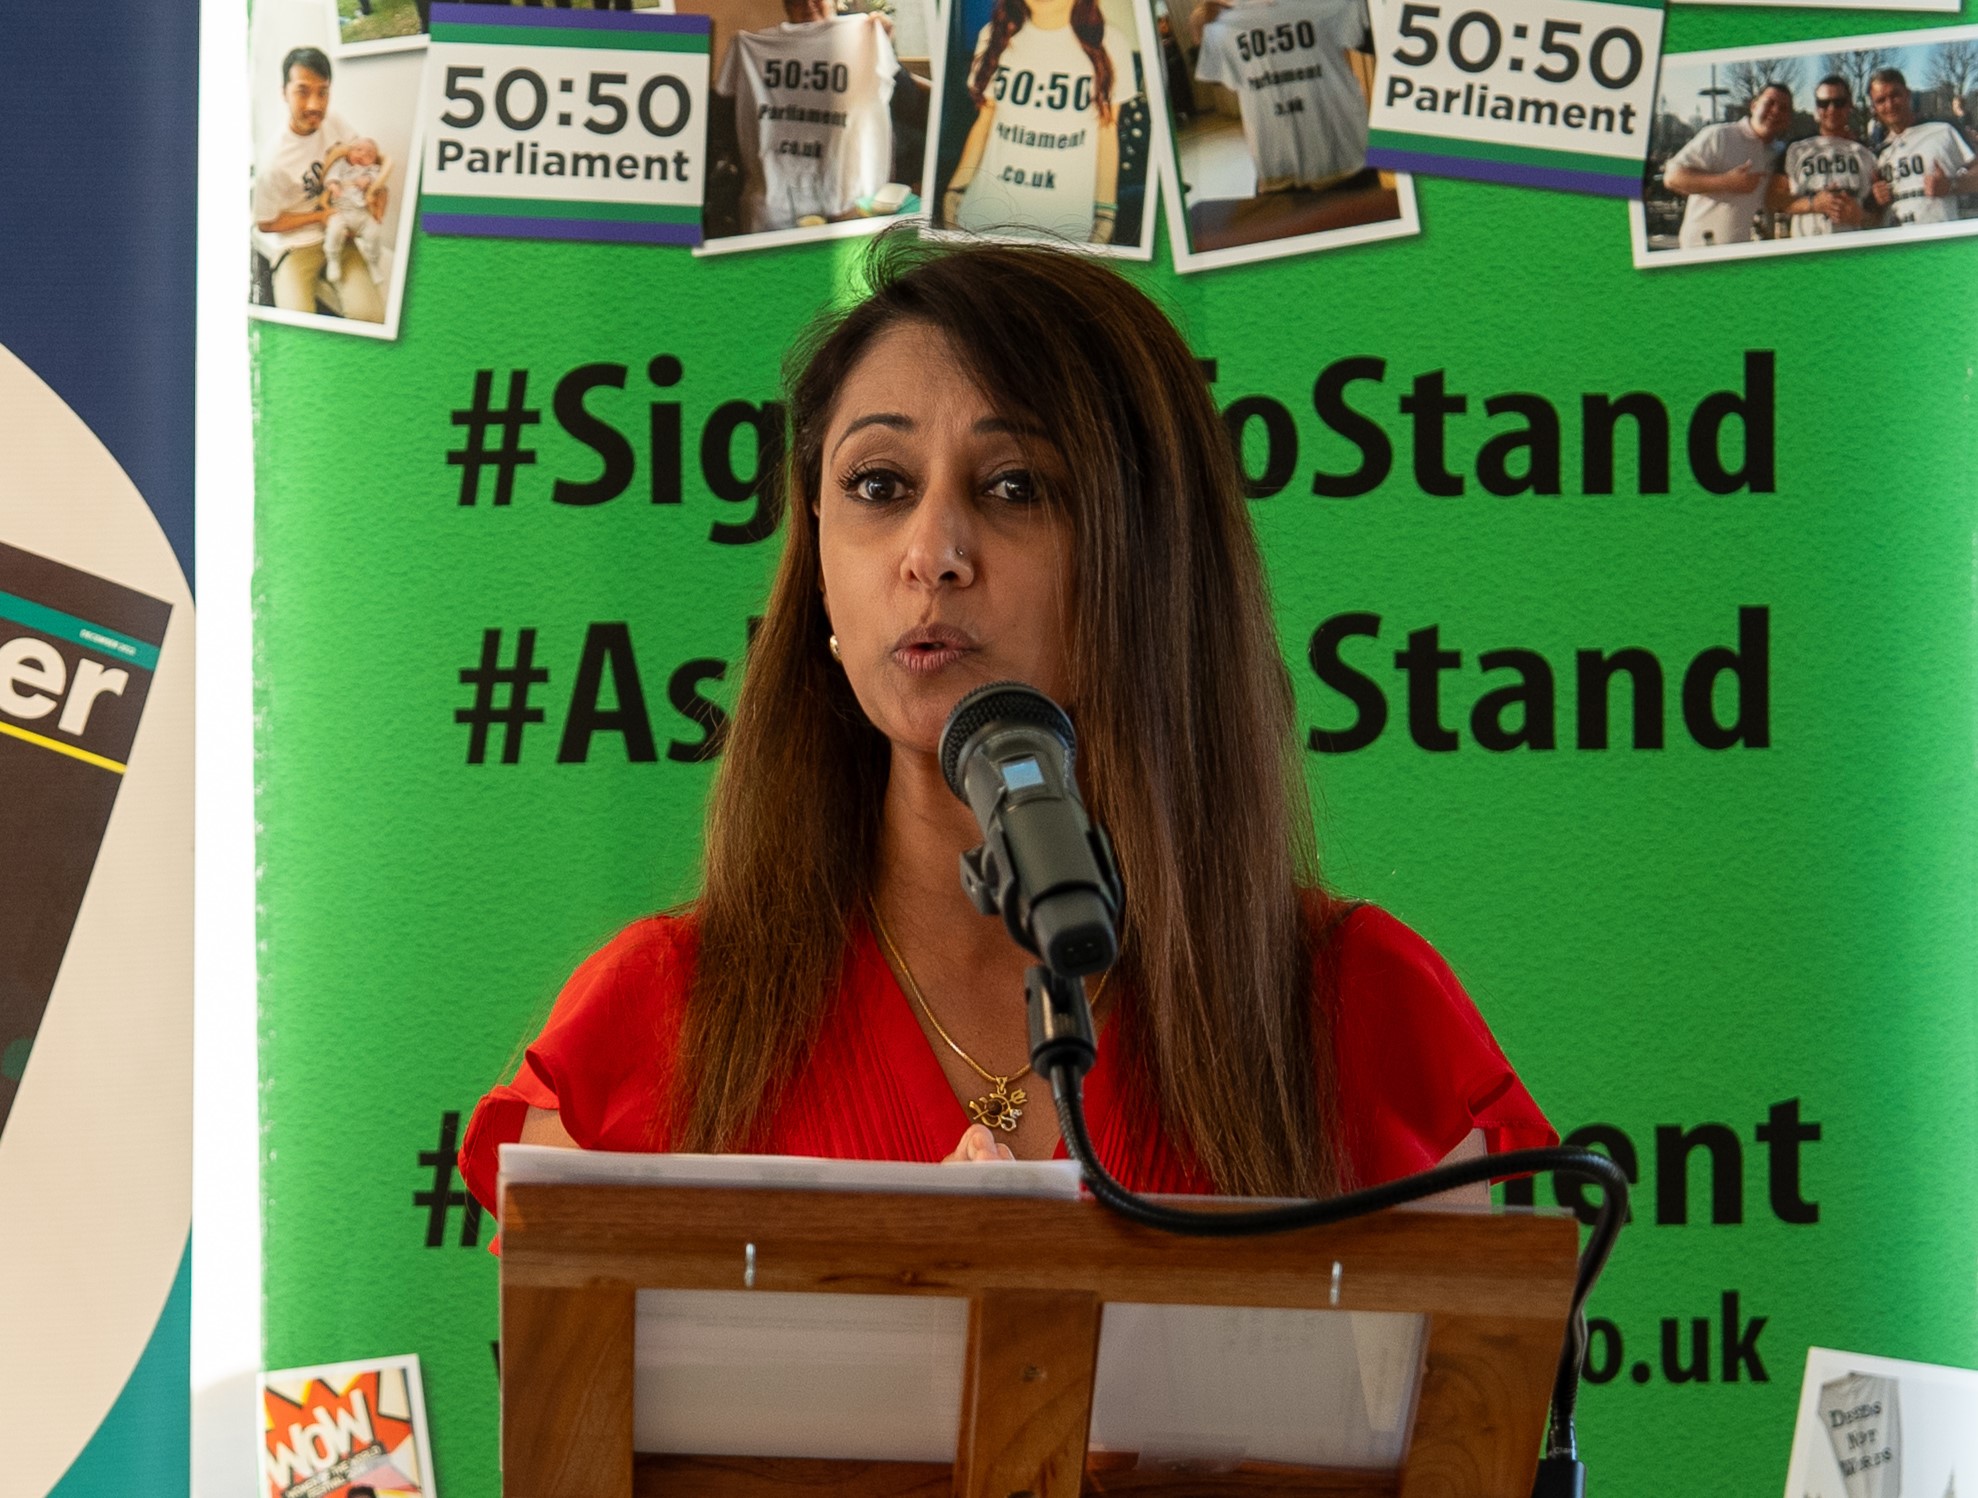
<point x="1001" y="1108"/>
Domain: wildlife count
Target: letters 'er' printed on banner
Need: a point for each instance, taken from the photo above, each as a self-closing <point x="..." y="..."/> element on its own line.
<point x="1536" y="93"/>
<point x="577" y="124"/>
<point x="77" y="654"/>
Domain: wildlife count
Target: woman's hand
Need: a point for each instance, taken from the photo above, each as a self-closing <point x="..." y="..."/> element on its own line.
<point x="951" y="207"/>
<point x="977" y="1143"/>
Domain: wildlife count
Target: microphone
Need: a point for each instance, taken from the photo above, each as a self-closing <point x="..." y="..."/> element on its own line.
<point x="1009" y="751"/>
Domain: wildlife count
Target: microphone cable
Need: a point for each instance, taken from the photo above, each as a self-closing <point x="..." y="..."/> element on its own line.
<point x="1008" y="752"/>
<point x="1062" y="1054"/>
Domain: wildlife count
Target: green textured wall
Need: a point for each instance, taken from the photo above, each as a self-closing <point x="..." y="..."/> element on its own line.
<point x="1660" y="938"/>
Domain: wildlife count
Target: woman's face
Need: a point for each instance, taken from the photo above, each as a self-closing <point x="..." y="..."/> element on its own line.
<point x="943" y="569"/>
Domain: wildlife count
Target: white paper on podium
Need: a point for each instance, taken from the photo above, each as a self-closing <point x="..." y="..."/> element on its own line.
<point x="535" y="1164"/>
<point x="1211" y="1386"/>
<point x="738" y="1373"/>
<point x="753" y="1373"/>
<point x="879" y="1377"/>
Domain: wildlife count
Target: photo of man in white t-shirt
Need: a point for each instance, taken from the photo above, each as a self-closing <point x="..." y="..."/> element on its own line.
<point x="1867" y="165"/>
<point x="817" y="124"/>
<point x="1924" y="165"/>
<point x="811" y="101"/>
<point x="289" y="209"/>
<point x="1288" y="63"/>
<point x="1830" y="177"/>
<point x="1726" y="171"/>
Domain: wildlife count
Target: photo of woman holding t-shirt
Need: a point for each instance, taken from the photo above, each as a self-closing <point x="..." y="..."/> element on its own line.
<point x="1041" y="100"/>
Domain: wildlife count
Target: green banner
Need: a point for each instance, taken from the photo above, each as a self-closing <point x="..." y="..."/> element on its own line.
<point x="1630" y="612"/>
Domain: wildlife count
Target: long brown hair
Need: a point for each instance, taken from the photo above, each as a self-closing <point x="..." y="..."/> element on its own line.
<point x="1088" y="24"/>
<point x="1184" y="713"/>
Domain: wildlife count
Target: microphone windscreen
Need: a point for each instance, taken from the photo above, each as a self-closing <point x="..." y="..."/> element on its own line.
<point x="1001" y="702"/>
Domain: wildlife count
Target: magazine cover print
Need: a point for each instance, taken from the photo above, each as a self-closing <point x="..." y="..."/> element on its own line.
<point x="345" y="1430"/>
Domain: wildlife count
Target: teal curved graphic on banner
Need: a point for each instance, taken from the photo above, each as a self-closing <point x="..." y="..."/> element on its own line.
<point x="149" y="1429"/>
<point x="96" y="752"/>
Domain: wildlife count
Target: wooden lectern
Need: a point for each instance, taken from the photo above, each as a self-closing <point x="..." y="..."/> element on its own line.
<point x="1494" y="1290"/>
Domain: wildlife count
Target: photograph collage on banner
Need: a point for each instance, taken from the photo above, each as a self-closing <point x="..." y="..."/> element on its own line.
<point x="1043" y="127"/>
<point x="817" y="125"/>
<point x="1842" y="143"/>
<point x="335" y="172"/>
<point x="1266" y="103"/>
<point x="1067" y="119"/>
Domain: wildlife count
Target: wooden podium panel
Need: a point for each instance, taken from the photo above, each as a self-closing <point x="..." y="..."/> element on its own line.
<point x="782" y="1477"/>
<point x="1036" y="1273"/>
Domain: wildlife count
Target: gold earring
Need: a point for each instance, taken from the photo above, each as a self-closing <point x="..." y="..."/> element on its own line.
<point x="833" y="645"/>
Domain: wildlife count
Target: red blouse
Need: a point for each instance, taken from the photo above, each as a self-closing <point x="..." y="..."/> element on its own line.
<point x="1417" y="1068"/>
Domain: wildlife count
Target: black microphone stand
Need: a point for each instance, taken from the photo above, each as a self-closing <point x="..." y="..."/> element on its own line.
<point x="1063" y="1050"/>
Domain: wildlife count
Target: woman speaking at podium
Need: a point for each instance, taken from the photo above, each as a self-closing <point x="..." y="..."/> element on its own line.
<point x="1005" y="465"/>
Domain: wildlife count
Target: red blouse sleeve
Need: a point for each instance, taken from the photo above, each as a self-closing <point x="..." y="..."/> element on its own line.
<point x="1418" y="1067"/>
<point x="603" y="1061"/>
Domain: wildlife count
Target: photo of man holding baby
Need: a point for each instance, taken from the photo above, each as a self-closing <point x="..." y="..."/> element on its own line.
<point x="320" y="191"/>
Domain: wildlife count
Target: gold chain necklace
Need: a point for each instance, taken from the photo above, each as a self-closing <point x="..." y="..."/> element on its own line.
<point x="1003" y="1105"/>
